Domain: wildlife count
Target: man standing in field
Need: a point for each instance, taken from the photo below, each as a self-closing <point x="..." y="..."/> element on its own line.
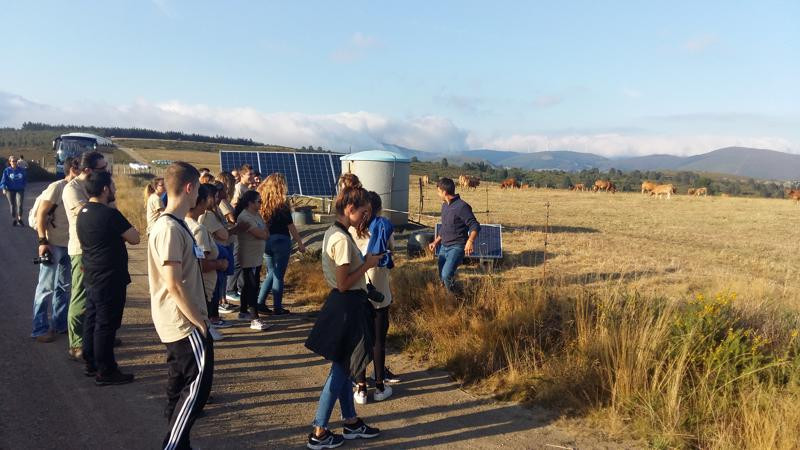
<point x="457" y="233"/>
<point x="103" y="232"/>
<point x="73" y="198"/>
<point x="236" y="281"/>
<point x="178" y="306"/>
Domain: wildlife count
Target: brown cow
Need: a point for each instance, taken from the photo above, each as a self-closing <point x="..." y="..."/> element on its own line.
<point x="604" y="185"/>
<point x="793" y="194"/>
<point x="473" y="182"/>
<point x="647" y="186"/>
<point x="700" y="191"/>
<point x="664" y="189"/>
<point x="691" y="191"/>
<point x="525" y="186"/>
<point x="578" y="187"/>
<point x="509" y="183"/>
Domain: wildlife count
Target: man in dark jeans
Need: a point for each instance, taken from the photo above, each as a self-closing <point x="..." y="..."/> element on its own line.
<point x="457" y="233"/>
<point x="102" y="232"/>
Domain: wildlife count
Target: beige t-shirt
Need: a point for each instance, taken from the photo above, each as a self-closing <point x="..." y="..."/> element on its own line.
<point x="57" y="230"/>
<point x="251" y="248"/>
<point x="73" y="198"/>
<point x="154" y="208"/>
<point x="338" y="249"/>
<point x="225" y="208"/>
<point x="206" y="243"/>
<point x="213" y="224"/>
<point x="379" y="276"/>
<point x="169" y="241"/>
<point x="238" y="192"/>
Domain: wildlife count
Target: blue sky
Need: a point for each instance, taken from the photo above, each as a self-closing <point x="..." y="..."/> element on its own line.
<point x="613" y="77"/>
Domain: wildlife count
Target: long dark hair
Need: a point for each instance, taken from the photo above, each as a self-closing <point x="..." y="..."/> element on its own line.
<point x="247" y="198"/>
<point x="375" y="202"/>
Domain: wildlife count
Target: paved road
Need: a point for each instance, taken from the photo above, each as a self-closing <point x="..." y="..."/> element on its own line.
<point x="265" y="386"/>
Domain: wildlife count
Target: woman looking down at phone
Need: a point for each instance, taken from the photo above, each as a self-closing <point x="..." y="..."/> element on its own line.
<point x="376" y="235"/>
<point x="343" y="332"/>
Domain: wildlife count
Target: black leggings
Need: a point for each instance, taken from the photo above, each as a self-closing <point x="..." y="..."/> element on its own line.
<point x="249" y="296"/>
<point x="379" y="350"/>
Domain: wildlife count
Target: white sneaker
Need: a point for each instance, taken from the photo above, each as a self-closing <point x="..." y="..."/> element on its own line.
<point x="215" y="335"/>
<point x="360" y="397"/>
<point x="258" y="324"/>
<point x="380" y="396"/>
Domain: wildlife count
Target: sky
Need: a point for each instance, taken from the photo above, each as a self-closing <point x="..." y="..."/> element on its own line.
<point x="616" y="78"/>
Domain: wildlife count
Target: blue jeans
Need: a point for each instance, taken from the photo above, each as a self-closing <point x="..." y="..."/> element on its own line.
<point x="338" y="386"/>
<point x="450" y="257"/>
<point x="276" y="252"/>
<point x="53" y="289"/>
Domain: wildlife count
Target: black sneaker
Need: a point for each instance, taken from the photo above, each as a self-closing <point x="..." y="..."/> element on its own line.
<point x="390" y="377"/>
<point x="264" y="309"/>
<point x="90" y="371"/>
<point x="327" y="440"/>
<point x="360" y="430"/>
<point x="115" y="378"/>
<point x="281" y="312"/>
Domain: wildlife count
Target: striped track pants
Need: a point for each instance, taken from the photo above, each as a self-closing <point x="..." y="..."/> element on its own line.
<point x="191" y="371"/>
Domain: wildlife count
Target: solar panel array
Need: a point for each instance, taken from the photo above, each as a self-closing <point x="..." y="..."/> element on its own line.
<point x="488" y="245"/>
<point x="311" y="174"/>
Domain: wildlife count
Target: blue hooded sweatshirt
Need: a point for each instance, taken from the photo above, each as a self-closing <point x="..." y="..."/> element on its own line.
<point x="13" y="179"/>
<point x="380" y="230"/>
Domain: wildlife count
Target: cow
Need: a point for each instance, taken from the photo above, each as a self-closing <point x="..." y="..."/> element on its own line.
<point x="578" y="187"/>
<point x="604" y="185"/>
<point x="700" y="191"/>
<point x="793" y="194"/>
<point x="525" y="186"/>
<point x="647" y="186"/>
<point x="509" y="183"/>
<point x="425" y="179"/>
<point x="689" y="192"/>
<point x="473" y="182"/>
<point x="462" y="180"/>
<point x="663" y="189"/>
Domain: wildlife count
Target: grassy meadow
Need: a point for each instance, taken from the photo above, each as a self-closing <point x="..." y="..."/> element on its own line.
<point x="675" y="321"/>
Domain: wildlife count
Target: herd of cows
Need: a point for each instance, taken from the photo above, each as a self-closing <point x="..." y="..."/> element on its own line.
<point x="648" y="187"/>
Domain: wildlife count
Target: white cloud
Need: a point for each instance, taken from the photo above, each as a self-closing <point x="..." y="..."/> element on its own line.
<point x="363" y="130"/>
<point x="546" y="101"/>
<point x="700" y="43"/>
<point x="356" y="48"/>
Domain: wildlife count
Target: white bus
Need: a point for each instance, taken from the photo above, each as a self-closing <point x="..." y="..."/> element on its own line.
<point x="74" y="145"/>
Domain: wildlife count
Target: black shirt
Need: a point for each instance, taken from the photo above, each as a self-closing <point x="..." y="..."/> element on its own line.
<point x="280" y="221"/>
<point x="105" y="257"/>
<point x="457" y="222"/>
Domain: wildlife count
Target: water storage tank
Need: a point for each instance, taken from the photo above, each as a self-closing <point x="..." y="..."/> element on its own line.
<point x="387" y="174"/>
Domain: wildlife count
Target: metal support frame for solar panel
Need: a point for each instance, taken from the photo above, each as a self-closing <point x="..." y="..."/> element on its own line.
<point x="307" y="174"/>
<point x="488" y="245"/>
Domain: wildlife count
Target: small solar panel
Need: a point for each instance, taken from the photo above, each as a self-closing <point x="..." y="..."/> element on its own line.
<point x="234" y="160"/>
<point x="316" y="174"/>
<point x="280" y="163"/>
<point x="311" y="174"/>
<point x="488" y="245"/>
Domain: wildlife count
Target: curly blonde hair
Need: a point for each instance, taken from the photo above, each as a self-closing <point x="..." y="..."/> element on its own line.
<point x="273" y="192"/>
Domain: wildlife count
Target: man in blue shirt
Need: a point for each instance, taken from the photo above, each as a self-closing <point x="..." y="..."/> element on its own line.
<point x="457" y="233"/>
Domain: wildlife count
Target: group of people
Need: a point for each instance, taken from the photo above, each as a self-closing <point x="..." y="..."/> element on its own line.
<point x="208" y="237"/>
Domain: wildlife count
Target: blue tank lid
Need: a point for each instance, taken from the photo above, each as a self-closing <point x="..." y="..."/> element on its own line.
<point x="376" y="155"/>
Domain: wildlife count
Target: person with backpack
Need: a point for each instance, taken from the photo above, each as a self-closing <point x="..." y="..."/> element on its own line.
<point x="343" y="332"/>
<point x="13" y="186"/>
<point x="49" y="219"/>
<point x="376" y="236"/>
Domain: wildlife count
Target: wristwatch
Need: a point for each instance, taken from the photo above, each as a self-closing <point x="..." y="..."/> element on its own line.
<point x="43" y="241"/>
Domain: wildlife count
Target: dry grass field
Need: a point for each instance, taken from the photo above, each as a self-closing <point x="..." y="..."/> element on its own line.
<point x="197" y="158"/>
<point x="671" y="320"/>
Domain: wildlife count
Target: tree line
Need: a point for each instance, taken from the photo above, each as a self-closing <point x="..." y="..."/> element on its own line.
<point x="137" y="133"/>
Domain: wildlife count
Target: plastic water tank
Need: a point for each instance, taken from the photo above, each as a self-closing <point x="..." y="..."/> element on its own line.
<point x="387" y="174"/>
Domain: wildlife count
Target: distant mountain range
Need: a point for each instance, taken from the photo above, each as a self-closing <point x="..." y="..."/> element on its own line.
<point x="749" y="162"/>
